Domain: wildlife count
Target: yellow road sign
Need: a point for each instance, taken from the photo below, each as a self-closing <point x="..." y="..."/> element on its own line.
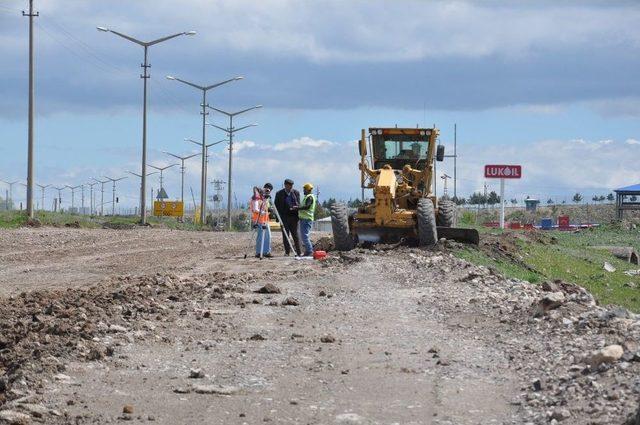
<point x="168" y="208"/>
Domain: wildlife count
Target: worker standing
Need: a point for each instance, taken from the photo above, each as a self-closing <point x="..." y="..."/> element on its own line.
<point x="306" y="211"/>
<point x="286" y="202"/>
<point x="259" y="206"/>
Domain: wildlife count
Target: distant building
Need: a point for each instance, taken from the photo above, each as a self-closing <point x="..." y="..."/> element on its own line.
<point x="531" y="204"/>
<point x="627" y="199"/>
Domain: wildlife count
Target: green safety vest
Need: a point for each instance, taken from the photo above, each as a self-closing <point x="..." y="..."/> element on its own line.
<point x="307" y="214"/>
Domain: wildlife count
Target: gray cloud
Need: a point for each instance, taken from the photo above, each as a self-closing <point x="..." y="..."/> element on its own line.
<point x="451" y="55"/>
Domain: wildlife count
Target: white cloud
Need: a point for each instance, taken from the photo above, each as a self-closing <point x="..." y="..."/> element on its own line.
<point x="303" y="142"/>
<point x="632" y="142"/>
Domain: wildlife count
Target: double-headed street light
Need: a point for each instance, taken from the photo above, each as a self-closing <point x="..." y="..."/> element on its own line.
<point x="230" y="131"/>
<point x="43" y="187"/>
<point x="102" y="183"/>
<point x="182" y="170"/>
<point x="113" y="200"/>
<point x="205" y="164"/>
<point x="161" y="170"/>
<point x="145" y="76"/>
<point x="10" y="184"/>
<point x="203" y="177"/>
<point x="73" y="194"/>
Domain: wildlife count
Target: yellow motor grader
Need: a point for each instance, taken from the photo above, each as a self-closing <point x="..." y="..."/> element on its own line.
<point x="400" y="170"/>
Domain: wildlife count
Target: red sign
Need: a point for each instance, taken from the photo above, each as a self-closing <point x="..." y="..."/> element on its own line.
<point x="503" y="171"/>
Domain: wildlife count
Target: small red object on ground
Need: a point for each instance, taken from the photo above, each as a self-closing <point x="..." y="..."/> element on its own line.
<point x="564" y="222"/>
<point x="319" y="255"/>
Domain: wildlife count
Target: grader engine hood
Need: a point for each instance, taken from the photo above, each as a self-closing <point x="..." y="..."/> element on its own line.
<point x="385" y="193"/>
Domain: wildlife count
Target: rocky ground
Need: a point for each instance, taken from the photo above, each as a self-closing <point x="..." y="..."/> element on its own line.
<point x="107" y="326"/>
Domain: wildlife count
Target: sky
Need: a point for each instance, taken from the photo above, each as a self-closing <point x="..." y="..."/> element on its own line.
<point x="549" y="85"/>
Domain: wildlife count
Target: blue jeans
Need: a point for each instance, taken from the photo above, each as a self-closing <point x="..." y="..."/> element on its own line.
<point x="266" y="244"/>
<point x="305" y="232"/>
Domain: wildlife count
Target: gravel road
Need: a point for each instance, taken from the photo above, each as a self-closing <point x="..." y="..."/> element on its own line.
<point x="149" y="325"/>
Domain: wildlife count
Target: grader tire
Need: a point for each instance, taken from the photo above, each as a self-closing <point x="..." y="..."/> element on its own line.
<point x="340" y="225"/>
<point x="446" y="213"/>
<point x="427" y="230"/>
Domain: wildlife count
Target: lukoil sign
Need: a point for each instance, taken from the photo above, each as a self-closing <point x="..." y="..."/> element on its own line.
<point x="503" y="171"/>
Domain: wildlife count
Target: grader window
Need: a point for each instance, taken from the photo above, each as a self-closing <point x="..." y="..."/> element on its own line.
<point x="400" y="148"/>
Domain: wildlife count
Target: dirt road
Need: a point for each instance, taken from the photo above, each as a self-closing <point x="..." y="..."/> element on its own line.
<point x="183" y="335"/>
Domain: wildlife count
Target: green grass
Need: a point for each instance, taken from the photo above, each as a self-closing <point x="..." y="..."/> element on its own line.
<point x="568" y="257"/>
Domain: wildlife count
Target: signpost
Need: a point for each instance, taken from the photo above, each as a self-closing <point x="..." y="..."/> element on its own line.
<point x="502" y="172"/>
<point x="168" y="208"/>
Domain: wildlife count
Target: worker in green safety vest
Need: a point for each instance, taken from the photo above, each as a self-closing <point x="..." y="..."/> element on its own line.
<point x="306" y="211"/>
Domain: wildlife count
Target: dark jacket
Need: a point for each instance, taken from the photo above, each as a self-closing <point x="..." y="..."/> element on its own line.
<point x="281" y="204"/>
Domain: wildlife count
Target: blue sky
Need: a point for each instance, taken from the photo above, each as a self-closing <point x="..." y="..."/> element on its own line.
<point x="550" y="85"/>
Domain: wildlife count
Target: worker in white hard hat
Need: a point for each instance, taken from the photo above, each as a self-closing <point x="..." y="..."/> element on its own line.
<point x="306" y="211"/>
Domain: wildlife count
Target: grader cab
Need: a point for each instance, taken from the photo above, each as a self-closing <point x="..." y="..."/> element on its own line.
<point x="400" y="170"/>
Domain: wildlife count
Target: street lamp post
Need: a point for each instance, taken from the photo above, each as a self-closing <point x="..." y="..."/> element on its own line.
<point x="59" y="201"/>
<point x="203" y="177"/>
<point x="113" y="199"/>
<point x="10" y="184"/>
<point x="101" y="194"/>
<point x="42" y="188"/>
<point x="30" y="166"/>
<point x="145" y="76"/>
<point x="161" y="170"/>
<point x="91" y="200"/>
<point x="182" y="170"/>
<point x="230" y="131"/>
<point x="73" y="194"/>
<point x="206" y="154"/>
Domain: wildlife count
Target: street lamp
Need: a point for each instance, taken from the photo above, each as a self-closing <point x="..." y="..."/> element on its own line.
<point x="182" y="170"/>
<point x="101" y="194"/>
<point x="230" y="131"/>
<point x="113" y="199"/>
<point x="206" y="153"/>
<point x="161" y="169"/>
<point x="91" y="201"/>
<point x="42" y="187"/>
<point x="203" y="177"/>
<point x="59" y="201"/>
<point x="73" y="194"/>
<point x="145" y="76"/>
<point x="10" y="184"/>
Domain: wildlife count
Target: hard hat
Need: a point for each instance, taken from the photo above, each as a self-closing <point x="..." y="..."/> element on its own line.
<point x="307" y="186"/>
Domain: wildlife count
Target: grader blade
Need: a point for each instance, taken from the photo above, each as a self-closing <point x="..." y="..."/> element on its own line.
<point x="458" y="234"/>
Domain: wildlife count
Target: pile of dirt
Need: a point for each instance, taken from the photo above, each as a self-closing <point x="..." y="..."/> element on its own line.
<point x="40" y="331"/>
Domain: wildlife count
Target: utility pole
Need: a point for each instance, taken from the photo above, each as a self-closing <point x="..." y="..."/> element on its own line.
<point x="101" y="194"/>
<point x="445" y="177"/>
<point x="485" y="194"/>
<point x="82" y="199"/>
<point x="113" y="200"/>
<point x="145" y="76"/>
<point x="91" y="200"/>
<point x="10" y="197"/>
<point x="218" y="187"/>
<point x="230" y="132"/>
<point x="43" y="187"/>
<point x="30" y="171"/>
<point x="206" y="164"/>
<point x="161" y="169"/>
<point x="59" y="203"/>
<point x="455" y="161"/>
<point x="182" y="171"/>
<point x="73" y="195"/>
<point x="204" y="113"/>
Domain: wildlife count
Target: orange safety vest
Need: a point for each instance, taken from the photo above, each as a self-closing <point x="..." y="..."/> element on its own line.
<point x="259" y="210"/>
